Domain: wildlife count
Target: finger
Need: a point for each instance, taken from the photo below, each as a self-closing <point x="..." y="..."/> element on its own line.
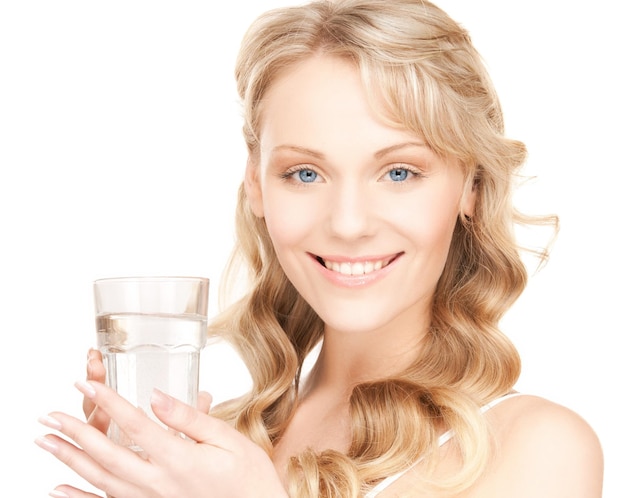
<point x="99" y="419"/>
<point x="95" y="366"/>
<point x="97" y="453"/>
<point x="95" y="372"/>
<point x="65" y="491"/>
<point x="192" y="422"/>
<point x="132" y="421"/>
<point x="204" y="402"/>
<point x="85" y="466"/>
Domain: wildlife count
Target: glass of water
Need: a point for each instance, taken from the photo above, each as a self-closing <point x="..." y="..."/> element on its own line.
<point x="150" y="331"/>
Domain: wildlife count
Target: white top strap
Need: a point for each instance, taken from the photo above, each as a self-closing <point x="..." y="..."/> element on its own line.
<point x="443" y="439"/>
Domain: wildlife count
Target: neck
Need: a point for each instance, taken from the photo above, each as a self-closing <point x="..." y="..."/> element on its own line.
<point x="350" y="358"/>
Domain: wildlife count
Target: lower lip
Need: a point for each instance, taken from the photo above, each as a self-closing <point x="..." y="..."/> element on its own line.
<point x="351" y="281"/>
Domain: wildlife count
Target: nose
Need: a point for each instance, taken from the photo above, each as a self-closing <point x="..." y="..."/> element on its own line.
<point x="350" y="211"/>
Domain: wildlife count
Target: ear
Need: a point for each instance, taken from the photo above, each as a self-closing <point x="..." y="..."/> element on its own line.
<point x="468" y="200"/>
<point x="252" y="186"/>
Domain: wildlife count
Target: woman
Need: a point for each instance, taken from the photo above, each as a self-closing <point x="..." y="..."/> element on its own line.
<point x="376" y="219"/>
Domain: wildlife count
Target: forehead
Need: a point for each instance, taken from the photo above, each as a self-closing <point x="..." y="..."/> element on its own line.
<point x="323" y="98"/>
<point x="313" y="82"/>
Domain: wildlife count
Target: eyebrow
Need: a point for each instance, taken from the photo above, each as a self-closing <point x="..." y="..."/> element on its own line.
<point x="379" y="154"/>
<point x="393" y="148"/>
<point x="297" y="148"/>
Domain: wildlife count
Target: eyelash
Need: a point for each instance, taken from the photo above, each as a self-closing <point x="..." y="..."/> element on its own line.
<point x="416" y="173"/>
<point x="289" y="174"/>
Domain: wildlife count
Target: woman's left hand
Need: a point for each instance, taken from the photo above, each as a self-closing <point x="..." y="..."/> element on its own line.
<point x="219" y="461"/>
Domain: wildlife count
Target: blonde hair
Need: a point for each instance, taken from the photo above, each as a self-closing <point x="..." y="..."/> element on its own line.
<point x="423" y="74"/>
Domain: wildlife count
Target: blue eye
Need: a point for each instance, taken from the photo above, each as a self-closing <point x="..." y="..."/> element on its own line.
<point x="398" y="174"/>
<point x="307" y="175"/>
<point x="299" y="175"/>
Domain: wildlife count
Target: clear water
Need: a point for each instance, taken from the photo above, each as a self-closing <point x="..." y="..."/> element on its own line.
<point x="143" y="352"/>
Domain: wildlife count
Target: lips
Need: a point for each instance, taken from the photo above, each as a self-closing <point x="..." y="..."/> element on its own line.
<point x="356" y="267"/>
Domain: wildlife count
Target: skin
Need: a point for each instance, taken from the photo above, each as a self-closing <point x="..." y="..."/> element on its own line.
<point x="378" y="194"/>
<point x="542" y="449"/>
<point x="374" y="194"/>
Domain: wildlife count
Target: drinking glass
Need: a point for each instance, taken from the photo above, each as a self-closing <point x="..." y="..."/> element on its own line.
<point x="150" y="331"/>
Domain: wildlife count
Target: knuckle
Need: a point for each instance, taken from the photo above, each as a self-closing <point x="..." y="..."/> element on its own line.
<point x="134" y="424"/>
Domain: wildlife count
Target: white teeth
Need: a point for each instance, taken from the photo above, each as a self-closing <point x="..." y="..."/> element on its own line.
<point x="357" y="268"/>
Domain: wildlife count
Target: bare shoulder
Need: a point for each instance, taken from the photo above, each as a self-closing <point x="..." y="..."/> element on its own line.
<point x="547" y="425"/>
<point x="544" y="448"/>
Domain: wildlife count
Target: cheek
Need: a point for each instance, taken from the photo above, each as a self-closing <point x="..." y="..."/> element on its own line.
<point x="287" y="226"/>
<point x="430" y="223"/>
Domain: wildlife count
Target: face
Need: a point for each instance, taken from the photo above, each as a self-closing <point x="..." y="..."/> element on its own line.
<point x="361" y="214"/>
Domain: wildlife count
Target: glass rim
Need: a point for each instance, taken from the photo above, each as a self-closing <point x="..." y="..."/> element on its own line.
<point x="150" y="278"/>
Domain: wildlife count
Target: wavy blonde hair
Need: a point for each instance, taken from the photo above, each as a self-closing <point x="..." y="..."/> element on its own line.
<point x="423" y="74"/>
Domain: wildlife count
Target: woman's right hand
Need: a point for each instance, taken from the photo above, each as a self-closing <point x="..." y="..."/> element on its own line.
<point x="97" y="373"/>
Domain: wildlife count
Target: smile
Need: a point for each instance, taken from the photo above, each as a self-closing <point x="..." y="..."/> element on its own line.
<point x="356" y="268"/>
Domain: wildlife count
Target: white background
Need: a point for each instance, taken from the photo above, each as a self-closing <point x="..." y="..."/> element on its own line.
<point x="120" y="154"/>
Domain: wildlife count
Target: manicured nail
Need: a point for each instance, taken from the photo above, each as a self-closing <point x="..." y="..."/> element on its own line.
<point x="46" y="444"/>
<point x="58" y="494"/>
<point x="51" y="422"/>
<point x="85" y="388"/>
<point x="160" y="400"/>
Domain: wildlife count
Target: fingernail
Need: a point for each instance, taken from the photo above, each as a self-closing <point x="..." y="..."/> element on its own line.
<point x="161" y="400"/>
<point x="46" y="444"/>
<point x="90" y="358"/>
<point x="51" y="422"/>
<point x="58" y="494"/>
<point x="85" y="388"/>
